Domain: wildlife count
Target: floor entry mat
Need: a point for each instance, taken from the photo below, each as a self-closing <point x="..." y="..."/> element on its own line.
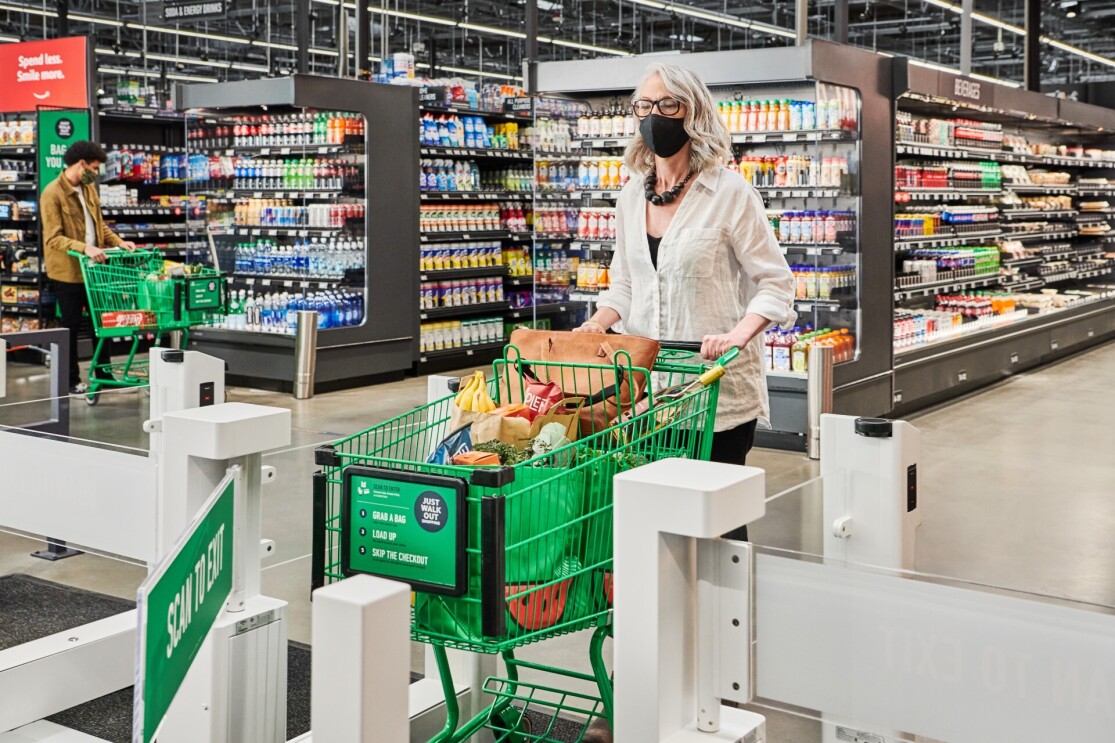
<point x="32" y="608"/>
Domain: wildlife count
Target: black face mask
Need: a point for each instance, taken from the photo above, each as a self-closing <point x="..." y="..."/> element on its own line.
<point x="664" y="136"/>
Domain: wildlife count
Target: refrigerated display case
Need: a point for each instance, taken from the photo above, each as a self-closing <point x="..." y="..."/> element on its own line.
<point x="1003" y="233"/>
<point x="799" y="118"/>
<point x="304" y="208"/>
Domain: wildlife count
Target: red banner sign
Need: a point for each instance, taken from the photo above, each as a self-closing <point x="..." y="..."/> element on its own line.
<point x="52" y="73"/>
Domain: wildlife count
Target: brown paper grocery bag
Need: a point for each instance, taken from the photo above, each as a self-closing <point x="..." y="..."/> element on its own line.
<point x="510" y="430"/>
<point x="570" y="418"/>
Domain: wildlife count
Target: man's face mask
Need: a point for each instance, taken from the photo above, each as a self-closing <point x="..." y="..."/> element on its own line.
<point x="89" y="176"/>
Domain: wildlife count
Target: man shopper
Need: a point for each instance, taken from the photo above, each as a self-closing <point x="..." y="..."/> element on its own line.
<point x="70" y="209"/>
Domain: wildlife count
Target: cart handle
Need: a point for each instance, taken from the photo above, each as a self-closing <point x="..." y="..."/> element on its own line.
<point x="109" y="251"/>
<point x="695" y="346"/>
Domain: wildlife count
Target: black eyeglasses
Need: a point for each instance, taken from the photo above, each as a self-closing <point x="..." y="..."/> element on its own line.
<point x="666" y="106"/>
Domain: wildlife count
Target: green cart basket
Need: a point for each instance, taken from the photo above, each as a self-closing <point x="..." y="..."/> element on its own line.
<point x="501" y="557"/>
<point x="129" y="296"/>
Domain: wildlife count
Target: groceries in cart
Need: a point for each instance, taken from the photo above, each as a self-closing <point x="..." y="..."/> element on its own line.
<point x="522" y="467"/>
<point x="513" y="433"/>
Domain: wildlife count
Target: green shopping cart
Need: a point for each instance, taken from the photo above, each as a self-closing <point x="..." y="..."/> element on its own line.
<point x="501" y="557"/>
<point x="132" y="295"/>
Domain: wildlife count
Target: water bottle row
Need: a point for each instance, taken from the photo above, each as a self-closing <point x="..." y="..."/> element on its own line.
<point x="277" y="312"/>
<point x="317" y="258"/>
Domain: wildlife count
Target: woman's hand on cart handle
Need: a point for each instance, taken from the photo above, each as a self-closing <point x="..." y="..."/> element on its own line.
<point x="715" y="346"/>
<point x="128" y="245"/>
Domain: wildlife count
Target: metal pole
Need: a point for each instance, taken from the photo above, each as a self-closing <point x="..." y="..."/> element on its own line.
<point x="302" y="34"/>
<point x="966" y="37"/>
<point x="305" y="354"/>
<point x="342" y="40"/>
<point x="530" y="64"/>
<point x="1032" y="73"/>
<point x="819" y="394"/>
<point x="63" y="17"/>
<point x="801" y="20"/>
<point x="363" y="40"/>
<point x="840" y="22"/>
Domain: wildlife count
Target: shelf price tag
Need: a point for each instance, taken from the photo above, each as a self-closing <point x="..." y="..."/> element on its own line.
<point x="759" y="138"/>
<point x="789" y="137"/>
<point x="265" y="151"/>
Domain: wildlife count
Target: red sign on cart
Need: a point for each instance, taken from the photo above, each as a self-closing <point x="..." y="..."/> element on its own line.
<point x="53" y="73"/>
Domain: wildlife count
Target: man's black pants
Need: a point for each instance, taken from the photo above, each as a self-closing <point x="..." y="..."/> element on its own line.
<point x="71" y="301"/>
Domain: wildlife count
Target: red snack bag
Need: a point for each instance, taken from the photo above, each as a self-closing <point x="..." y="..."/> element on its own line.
<point x="541" y="397"/>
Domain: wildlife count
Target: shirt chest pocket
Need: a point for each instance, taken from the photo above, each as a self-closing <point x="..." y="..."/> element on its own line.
<point x="698" y="250"/>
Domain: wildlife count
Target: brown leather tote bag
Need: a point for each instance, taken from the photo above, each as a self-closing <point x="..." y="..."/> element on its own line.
<point x="606" y="392"/>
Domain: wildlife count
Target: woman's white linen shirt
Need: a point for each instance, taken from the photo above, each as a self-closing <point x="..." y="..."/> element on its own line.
<point x="717" y="262"/>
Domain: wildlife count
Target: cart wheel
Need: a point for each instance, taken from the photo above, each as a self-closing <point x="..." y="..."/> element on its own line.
<point x="516" y="723"/>
<point x="93" y="398"/>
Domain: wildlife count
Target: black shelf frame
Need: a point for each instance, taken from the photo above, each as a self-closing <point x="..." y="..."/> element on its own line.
<point x="385" y="344"/>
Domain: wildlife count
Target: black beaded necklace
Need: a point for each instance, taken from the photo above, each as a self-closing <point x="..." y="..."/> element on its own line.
<point x="665" y="197"/>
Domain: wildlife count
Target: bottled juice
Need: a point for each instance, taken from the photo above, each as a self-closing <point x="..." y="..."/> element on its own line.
<point x="764" y="111"/>
<point x="783" y="120"/>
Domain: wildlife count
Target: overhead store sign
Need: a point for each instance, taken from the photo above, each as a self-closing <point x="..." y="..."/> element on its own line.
<point x="193" y="10"/>
<point x="58" y="129"/>
<point x="52" y="73"/>
<point x="956" y="88"/>
<point x="177" y="606"/>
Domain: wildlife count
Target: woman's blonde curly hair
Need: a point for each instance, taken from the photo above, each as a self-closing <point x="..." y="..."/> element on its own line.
<point x="711" y="142"/>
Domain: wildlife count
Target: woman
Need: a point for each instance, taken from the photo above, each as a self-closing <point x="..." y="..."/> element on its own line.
<point x="695" y="257"/>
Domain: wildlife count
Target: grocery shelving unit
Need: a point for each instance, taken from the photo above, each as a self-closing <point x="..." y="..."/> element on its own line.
<point x="1057" y="272"/>
<point x="456" y="332"/>
<point x="817" y="71"/>
<point x="22" y="270"/>
<point x="347" y="247"/>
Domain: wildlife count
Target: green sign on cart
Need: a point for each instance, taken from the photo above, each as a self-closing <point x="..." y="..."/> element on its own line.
<point x="405" y="526"/>
<point x="177" y="606"/>
<point x="203" y="293"/>
<point x="58" y="129"/>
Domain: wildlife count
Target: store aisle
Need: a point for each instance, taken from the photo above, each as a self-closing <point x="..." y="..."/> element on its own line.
<point x="1018" y="487"/>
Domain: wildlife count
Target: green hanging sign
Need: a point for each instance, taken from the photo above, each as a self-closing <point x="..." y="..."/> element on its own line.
<point x="58" y="129"/>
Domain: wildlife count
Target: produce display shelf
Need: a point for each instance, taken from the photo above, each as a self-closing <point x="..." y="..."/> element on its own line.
<point x="1028" y="236"/>
<point x="480" y="152"/>
<point x="464" y="273"/>
<point x="801" y="135"/>
<point x="1037" y="188"/>
<point x="463" y="310"/>
<point x="950" y="241"/>
<point x="548" y="308"/>
<point x="475" y="196"/>
<point x="465" y="352"/>
<point x="446" y="237"/>
<point x="465" y="111"/>
<point x="20" y="278"/>
<point x="820" y="305"/>
<point x="943" y="287"/>
<point x="304" y="282"/>
<point x="1029" y="214"/>
<point x="812" y="249"/>
<point x="800" y="192"/>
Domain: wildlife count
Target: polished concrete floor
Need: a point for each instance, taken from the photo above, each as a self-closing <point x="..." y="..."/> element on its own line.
<point x="1016" y="489"/>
